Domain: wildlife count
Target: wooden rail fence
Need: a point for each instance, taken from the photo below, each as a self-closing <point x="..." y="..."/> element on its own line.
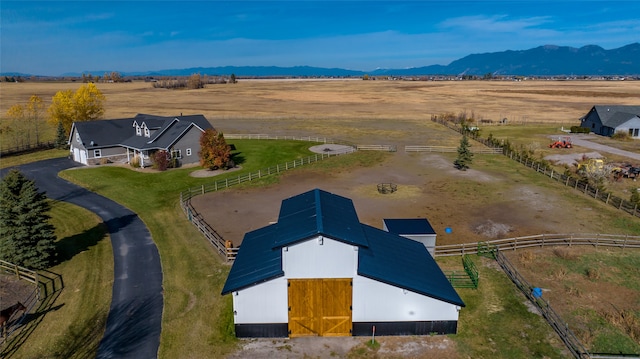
<point x="223" y="247"/>
<point x="541" y="240"/>
<point x="444" y="149"/>
<point x="30" y="301"/>
<point x="569" y="181"/>
<point x="572" y="343"/>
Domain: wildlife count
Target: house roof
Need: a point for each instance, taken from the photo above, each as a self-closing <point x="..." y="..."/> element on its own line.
<point x="615" y="115"/>
<point x="383" y="256"/>
<point x="121" y="132"/>
<point x="409" y="226"/>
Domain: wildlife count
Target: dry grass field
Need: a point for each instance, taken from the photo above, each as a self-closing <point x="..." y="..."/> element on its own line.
<point x="494" y="199"/>
<point x="348" y="109"/>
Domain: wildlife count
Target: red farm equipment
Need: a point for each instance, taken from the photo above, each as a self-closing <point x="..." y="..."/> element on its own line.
<point x="561" y="142"/>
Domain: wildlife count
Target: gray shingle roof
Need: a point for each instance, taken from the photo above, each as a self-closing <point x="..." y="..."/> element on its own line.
<point x="382" y="256"/>
<point x="615" y="115"/>
<point x="121" y="132"/>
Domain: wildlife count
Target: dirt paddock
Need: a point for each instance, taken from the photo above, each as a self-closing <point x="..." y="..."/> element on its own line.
<point x="423" y="182"/>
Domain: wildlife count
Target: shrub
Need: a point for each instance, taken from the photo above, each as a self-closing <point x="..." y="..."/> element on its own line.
<point x="635" y="196"/>
<point x="160" y="160"/>
<point x="621" y="136"/>
<point x="135" y="162"/>
<point x="578" y="129"/>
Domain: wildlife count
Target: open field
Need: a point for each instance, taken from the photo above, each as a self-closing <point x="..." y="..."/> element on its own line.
<point x="497" y="197"/>
<point x="394" y="111"/>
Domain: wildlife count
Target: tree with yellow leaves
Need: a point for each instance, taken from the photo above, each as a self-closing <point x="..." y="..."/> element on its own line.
<point x="23" y="125"/>
<point x="67" y="107"/>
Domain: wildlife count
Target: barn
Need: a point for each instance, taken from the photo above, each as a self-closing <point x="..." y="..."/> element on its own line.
<point x="318" y="271"/>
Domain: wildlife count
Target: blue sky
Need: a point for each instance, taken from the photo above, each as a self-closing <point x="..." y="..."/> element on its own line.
<point x="55" y="37"/>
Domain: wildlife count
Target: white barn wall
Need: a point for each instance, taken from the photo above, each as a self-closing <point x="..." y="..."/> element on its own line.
<point x="310" y="259"/>
<point x="263" y="303"/>
<point x="429" y="241"/>
<point x="376" y="301"/>
<point x="268" y="303"/>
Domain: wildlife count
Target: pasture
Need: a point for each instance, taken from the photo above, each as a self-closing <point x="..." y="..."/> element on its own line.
<point x="496" y="194"/>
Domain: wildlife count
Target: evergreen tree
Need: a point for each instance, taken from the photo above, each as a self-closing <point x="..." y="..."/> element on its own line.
<point x="465" y="156"/>
<point x="61" y="137"/>
<point x="26" y="236"/>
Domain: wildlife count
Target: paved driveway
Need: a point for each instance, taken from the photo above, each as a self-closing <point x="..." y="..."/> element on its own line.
<point x="133" y="325"/>
<point x="583" y="141"/>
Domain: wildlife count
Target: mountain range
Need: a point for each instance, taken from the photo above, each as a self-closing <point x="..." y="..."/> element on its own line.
<point x="548" y="60"/>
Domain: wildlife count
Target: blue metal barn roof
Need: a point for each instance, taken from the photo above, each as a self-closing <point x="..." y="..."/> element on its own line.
<point x="383" y="256"/>
<point x="409" y="226"/>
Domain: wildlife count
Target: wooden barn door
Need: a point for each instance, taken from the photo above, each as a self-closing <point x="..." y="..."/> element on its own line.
<point x="319" y="307"/>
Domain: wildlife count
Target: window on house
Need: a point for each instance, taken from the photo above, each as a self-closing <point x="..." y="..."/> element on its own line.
<point x="138" y="131"/>
<point x="176" y="154"/>
<point x="593" y="125"/>
<point x="634" y="132"/>
<point x="188" y="152"/>
<point x="78" y="137"/>
<point x="97" y="153"/>
<point x="146" y="132"/>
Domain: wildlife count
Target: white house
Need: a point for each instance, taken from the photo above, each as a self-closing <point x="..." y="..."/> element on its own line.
<point x="318" y="271"/>
<point x="418" y="229"/>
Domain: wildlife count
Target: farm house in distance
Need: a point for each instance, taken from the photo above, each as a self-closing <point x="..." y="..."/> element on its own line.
<point x="607" y="120"/>
<point x="123" y="139"/>
<point x="318" y="271"/>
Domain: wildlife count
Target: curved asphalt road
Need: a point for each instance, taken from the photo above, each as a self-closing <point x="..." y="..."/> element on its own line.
<point x="134" y="321"/>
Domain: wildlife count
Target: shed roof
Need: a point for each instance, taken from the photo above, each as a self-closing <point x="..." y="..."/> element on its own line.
<point x="409" y="226"/>
<point x="383" y="256"/>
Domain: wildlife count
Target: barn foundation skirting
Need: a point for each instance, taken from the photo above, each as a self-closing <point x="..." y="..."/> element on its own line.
<point x="281" y="330"/>
<point x="405" y="328"/>
<point x="275" y="330"/>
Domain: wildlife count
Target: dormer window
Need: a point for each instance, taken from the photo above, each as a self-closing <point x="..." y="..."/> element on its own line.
<point x="138" y="131"/>
<point x="147" y="133"/>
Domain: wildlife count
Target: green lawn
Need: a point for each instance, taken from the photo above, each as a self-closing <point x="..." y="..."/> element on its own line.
<point x="71" y="322"/>
<point x="196" y="320"/>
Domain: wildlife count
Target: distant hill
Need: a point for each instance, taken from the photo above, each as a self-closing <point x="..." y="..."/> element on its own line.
<point x="548" y="60"/>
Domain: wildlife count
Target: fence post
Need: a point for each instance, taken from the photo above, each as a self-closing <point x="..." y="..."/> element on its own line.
<point x="258" y="173"/>
<point x="202" y="189"/>
<point x="608" y="196"/>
